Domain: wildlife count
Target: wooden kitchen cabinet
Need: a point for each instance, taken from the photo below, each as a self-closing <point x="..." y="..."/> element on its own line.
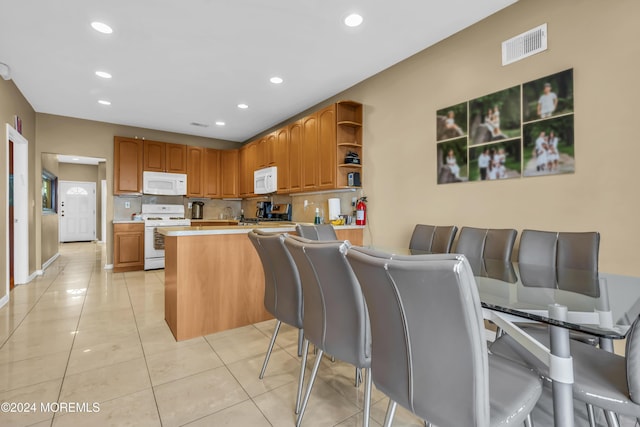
<point x="127" y="165"/>
<point x="281" y="156"/>
<point x="327" y="148"/>
<point x="128" y="247"/>
<point x="270" y="150"/>
<point x="195" y="171"/>
<point x="229" y="173"/>
<point x="310" y="152"/>
<point x="348" y="139"/>
<point x="242" y="171"/>
<point x="249" y="164"/>
<point x="165" y="157"/>
<point x="295" y="157"/>
<point x="211" y="173"/>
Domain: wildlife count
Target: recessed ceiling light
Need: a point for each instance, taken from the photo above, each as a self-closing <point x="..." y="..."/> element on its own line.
<point x="243" y="106"/>
<point x="101" y="27"/>
<point x="276" y="80"/>
<point x="220" y="123"/>
<point x="353" y="20"/>
<point x="103" y="74"/>
<point x="104" y="102"/>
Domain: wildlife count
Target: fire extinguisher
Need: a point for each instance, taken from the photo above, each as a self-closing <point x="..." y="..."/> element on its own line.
<point x="361" y="211"/>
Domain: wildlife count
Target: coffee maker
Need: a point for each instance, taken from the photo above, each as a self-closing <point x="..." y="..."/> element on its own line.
<point x="263" y="209"/>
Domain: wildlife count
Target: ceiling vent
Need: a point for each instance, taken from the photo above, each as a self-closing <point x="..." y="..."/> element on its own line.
<point x="524" y="45"/>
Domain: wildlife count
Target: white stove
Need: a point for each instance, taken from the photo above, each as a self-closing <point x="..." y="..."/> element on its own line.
<point x="159" y="216"/>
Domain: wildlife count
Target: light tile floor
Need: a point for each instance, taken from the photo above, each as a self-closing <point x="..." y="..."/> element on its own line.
<point x="83" y="334"/>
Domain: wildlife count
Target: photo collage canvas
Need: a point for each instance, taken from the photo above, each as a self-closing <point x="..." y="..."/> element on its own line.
<point x="522" y="131"/>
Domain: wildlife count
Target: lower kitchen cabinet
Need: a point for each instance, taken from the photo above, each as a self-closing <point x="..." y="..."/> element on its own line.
<point x="128" y="247"/>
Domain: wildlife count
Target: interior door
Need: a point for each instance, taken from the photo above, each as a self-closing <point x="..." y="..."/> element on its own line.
<point x="77" y="211"/>
<point x="11" y="219"/>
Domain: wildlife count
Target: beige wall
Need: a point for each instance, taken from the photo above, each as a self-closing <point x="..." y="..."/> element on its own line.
<point x="49" y="226"/>
<point x="13" y="103"/>
<point x="599" y="41"/>
<point x="64" y="135"/>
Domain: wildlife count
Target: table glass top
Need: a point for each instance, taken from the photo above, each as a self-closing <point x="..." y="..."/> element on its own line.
<point x="600" y="304"/>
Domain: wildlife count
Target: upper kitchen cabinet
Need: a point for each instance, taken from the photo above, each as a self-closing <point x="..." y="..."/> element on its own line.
<point x="327" y="148"/>
<point x="281" y="156"/>
<point x="348" y="140"/>
<point x="211" y="173"/>
<point x="195" y="171"/>
<point x="165" y="157"/>
<point x="229" y="173"/>
<point x="247" y="166"/>
<point x="127" y="165"/>
<point x="310" y="153"/>
<point x="295" y="157"/>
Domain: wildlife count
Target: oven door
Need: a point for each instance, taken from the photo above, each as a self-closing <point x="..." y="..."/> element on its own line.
<point x="153" y="257"/>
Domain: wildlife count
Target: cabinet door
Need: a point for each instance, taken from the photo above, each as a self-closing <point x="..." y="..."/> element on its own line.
<point x="295" y="157"/>
<point x="154" y="156"/>
<point x="310" y="152"/>
<point x="261" y="153"/>
<point x="176" y="158"/>
<point x="229" y="163"/>
<point x="242" y="171"/>
<point x="252" y="165"/>
<point x="128" y="247"/>
<point x="327" y="148"/>
<point x="270" y="150"/>
<point x="281" y="154"/>
<point x="127" y="165"/>
<point x="211" y="173"/>
<point x="195" y="167"/>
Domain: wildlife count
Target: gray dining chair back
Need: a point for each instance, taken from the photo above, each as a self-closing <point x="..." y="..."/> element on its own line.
<point x="335" y="319"/>
<point x="317" y="232"/>
<point x="440" y="379"/>
<point x="632" y="354"/>
<point x="577" y="262"/>
<point x="417" y="304"/>
<point x="538" y="248"/>
<point x="498" y="244"/>
<point x="431" y="238"/>
<point x="471" y="242"/>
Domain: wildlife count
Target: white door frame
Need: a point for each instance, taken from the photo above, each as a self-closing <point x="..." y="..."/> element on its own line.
<point x="95" y="205"/>
<point x="103" y="209"/>
<point x="20" y="207"/>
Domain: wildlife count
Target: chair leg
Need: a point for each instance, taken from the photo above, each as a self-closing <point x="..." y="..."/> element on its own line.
<point x="612" y="419"/>
<point x="391" y="411"/>
<point x="358" y="377"/>
<point x="303" y="367"/>
<point x="314" y="373"/>
<point x="528" y="422"/>
<point x="367" y="397"/>
<point x="300" y="340"/>
<point x="499" y="332"/>
<point x="427" y="424"/>
<point x="591" y="415"/>
<point x="268" y="355"/>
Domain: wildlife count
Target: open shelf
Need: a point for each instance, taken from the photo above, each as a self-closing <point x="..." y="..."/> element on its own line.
<point x="350" y="144"/>
<point x="350" y="123"/>
<point x="349" y="165"/>
<point x="348" y="139"/>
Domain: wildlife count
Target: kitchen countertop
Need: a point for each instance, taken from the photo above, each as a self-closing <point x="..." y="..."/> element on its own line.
<point x="238" y="229"/>
<point x="212" y="220"/>
<point x="128" y="221"/>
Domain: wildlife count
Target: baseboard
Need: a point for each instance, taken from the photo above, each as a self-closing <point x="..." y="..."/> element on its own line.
<point x="32" y="276"/>
<point x="4" y="300"/>
<point x="108" y="266"/>
<point x="49" y="262"/>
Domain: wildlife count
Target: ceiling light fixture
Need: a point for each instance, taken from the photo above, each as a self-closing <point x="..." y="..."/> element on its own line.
<point x="103" y="74"/>
<point x="101" y="27"/>
<point x="243" y="106"/>
<point x="104" y="102"/>
<point x="353" y="20"/>
<point x="276" y="80"/>
<point x="220" y="123"/>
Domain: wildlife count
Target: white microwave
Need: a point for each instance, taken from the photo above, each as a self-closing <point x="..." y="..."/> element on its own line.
<point x="265" y="180"/>
<point x="165" y="184"/>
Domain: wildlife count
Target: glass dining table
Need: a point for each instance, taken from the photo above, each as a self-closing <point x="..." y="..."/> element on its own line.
<point x="598" y="304"/>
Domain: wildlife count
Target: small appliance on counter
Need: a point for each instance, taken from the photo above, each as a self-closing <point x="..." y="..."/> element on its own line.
<point x="197" y="210"/>
<point x="268" y="212"/>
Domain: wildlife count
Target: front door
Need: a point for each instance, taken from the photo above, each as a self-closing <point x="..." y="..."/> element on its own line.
<point x="77" y="211"/>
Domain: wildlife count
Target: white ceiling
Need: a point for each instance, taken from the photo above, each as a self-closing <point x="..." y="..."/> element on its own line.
<point x="80" y="160"/>
<point x="177" y="62"/>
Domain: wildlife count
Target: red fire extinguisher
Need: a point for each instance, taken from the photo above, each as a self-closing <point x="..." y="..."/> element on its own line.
<point x="361" y="211"/>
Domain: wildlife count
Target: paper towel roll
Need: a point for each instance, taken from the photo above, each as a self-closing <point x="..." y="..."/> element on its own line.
<point x="334" y="209"/>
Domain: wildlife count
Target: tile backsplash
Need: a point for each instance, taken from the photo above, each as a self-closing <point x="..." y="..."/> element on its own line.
<point x="216" y="209"/>
<point x="305" y="212"/>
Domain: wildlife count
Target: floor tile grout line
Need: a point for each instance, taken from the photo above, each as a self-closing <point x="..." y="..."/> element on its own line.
<point x="144" y="354"/>
<point x="66" y="368"/>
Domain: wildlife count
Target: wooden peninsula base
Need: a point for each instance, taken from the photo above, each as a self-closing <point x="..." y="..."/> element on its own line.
<point x="213" y="278"/>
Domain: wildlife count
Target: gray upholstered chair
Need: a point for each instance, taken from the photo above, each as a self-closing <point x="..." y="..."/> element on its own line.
<point x="602" y="379"/>
<point x="471" y="242"/>
<point x="335" y="315"/>
<point x="317" y="232"/>
<point x="486" y="243"/>
<point x="282" y="290"/>
<point x="448" y="379"/>
<point x="432" y="238"/>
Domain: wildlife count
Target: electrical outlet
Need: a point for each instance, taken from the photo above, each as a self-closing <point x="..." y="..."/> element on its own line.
<point x="127" y="205"/>
<point x="306" y="203"/>
<point x="354" y="200"/>
<point x="190" y="205"/>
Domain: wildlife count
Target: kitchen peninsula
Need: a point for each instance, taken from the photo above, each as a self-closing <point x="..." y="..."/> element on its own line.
<point x="214" y="279"/>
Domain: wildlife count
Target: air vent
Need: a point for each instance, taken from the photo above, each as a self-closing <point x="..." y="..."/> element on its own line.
<point x="524" y="45"/>
<point x="200" y="125"/>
